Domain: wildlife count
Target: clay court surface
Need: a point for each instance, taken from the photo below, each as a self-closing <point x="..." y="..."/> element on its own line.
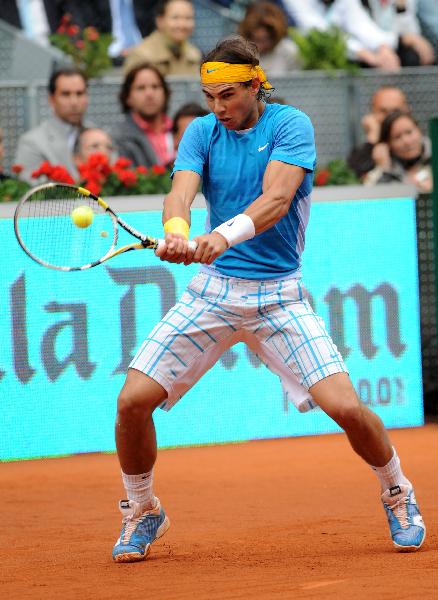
<point x="292" y="518"/>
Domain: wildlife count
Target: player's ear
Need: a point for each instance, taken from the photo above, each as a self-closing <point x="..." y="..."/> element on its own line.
<point x="255" y="85"/>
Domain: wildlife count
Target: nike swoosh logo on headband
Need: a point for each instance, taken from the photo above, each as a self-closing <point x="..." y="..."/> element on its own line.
<point x="211" y="70"/>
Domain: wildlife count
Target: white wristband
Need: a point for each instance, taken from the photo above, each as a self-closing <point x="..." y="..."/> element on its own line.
<point x="236" y="230"/>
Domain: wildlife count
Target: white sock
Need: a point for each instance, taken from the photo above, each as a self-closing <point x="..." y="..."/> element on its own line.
<point x="391" y="474"/>
<point x="139" y="488"/>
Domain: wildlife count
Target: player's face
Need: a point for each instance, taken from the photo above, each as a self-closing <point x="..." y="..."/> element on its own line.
<point x="235" y="105"/>
<point x="70" y="99"/>
<point x="406" y="140"/>
<point x="387" y="101"/>
<point x="147" y="96"/>
<point x="178" y="21"/>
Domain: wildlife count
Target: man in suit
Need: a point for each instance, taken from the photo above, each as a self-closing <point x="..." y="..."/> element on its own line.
<point x="54" y="138"/>
<point x="145" y="135"/>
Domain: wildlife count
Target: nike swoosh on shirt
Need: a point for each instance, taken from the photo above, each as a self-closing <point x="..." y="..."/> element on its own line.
<point x="263" y="147"/>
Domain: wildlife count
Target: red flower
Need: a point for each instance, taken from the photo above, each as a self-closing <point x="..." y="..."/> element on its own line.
<point x="97" y="160"/>
<point x="80" y="44"/>
<point x="142" y="170"/>
<point x="84" y="171"/>
<point x="17" y="169"/>
<point x="93" y="186"/>
<point x="61" y="175"/>
<point x="158" y="169"/>
<point x="128" y="178"/>
<point x="54" y="172"/>
<point x="322" y="177"/>
<point x="45" y="168"/>
<point x="91" y="33"/>
<point x="122" y="163"/>
<point x="99" y="163"/>
<point x="61" y="29"/>
<point x="72" y="30"/>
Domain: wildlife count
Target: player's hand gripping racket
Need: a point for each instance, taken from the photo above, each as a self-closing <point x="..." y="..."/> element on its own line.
<point x="68" y="228"/>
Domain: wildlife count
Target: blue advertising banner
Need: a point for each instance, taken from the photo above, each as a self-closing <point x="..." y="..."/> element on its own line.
<point x="67" y="338"/>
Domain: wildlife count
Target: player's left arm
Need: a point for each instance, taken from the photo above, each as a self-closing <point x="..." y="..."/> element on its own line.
<point x="280" y="184"/>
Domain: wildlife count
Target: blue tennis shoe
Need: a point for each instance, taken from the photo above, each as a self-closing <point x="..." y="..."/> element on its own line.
<point x="139" y="529"/>
<point x="406" y="524"/>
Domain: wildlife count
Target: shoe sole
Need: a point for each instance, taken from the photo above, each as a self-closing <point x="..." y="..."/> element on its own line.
<point x="410" y="548"/>
<point x="137" y="556"/>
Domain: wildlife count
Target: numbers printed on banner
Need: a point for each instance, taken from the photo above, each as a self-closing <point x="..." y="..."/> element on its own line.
<point x="383" y="392"/>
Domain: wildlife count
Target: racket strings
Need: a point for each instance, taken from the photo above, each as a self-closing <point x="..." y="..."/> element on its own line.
<point x="46" y="228"/>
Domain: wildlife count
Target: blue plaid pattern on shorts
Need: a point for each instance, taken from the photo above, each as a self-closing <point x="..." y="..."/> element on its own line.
<point x="273" y="318"/>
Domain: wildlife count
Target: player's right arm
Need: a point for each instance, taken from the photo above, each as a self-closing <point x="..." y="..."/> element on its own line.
<point x="177" y="203"/>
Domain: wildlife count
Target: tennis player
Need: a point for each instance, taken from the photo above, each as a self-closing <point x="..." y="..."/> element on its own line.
<point x="256" y="163"/>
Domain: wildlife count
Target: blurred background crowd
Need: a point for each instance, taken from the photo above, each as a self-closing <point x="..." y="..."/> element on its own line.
<point x="146" y="47"/>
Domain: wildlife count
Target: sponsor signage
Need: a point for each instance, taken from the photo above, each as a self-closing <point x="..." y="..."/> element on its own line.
<point x="67" y="338"/>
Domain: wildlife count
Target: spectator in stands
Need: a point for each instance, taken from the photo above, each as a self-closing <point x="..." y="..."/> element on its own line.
<point x="367" y="43"/>
<point x="54" y="138"/>
<point x="29" y="16"/>
<point x="427" y="12"/>
<point x="167" y="47"/>
<point x="145" y="136"/>
<point x="265" y="24"/>
<point x="405" y="153"/>
<point x="183" y="117"/>
<point x="385" y="100"/>
<point x="398" y="17"/>
<point x="93" y="140"/>
<point x="3" y="175"/>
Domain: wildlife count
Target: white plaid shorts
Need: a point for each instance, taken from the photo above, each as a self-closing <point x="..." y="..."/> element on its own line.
<point x="273" y="318"/>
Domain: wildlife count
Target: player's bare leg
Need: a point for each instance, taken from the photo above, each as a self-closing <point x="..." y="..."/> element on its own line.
<point x="368" y="437"/>
<point x="135" y="431"/>
<point x="143" y="518"/>
<point x="337" y="397"/>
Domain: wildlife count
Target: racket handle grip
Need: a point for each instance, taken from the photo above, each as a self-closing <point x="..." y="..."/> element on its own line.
<point x="192" y="244"/>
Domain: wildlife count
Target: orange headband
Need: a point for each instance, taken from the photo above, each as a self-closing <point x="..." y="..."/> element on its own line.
<point x="222" y="72"/>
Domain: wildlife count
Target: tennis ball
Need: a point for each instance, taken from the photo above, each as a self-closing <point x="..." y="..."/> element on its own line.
<point x="82" y="216"/>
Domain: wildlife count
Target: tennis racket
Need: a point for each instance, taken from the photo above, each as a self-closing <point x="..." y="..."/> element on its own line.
<point x="54" y="225"/>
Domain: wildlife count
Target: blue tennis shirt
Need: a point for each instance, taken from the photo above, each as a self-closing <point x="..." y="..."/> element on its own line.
<point x="232" y="166"/>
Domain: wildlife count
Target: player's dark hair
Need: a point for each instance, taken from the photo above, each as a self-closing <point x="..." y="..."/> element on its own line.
<point x="190" y="109"/>
<point x="160" y="9"/>
<point x="127" y="83"/>
<point x="388" y="122"/>
<point x="68" y="72"/>
<point x="237" y="50"/>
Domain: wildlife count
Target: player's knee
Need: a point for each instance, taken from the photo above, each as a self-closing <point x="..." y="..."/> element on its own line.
<point x="133" y="404"/>
<point x="350" y="415"/>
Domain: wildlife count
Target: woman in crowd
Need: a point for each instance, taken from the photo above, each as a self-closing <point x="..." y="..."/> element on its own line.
<point x="403" y="154"/>
<point x="265" y="24"/>
<point x="168" y="48"/>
